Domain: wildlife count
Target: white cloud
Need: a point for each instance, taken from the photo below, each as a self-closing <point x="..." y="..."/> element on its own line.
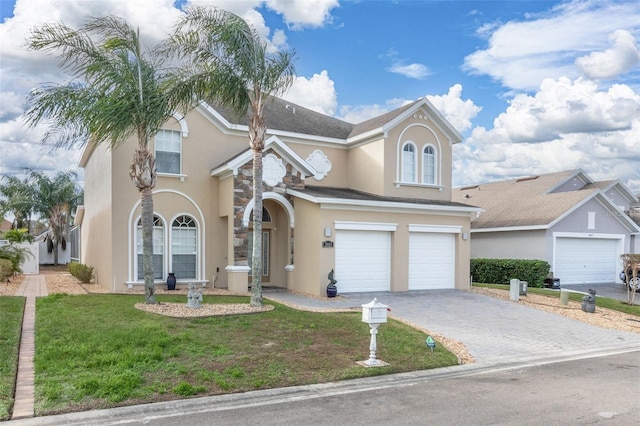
<point x="316" y="93"/>
<point x="619" y="59"/>
<point x="458" y="112"/>
<point x="417" y="71"/>
<point x="522" y="54"/>
<point x="307" y="13"/>
<point x="565" y="125"/>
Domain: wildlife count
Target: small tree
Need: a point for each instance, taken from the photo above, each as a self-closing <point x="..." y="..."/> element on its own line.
<point x="630" y="266"/>
<point x="54" y="200"/>
<point x="16" y="197"/>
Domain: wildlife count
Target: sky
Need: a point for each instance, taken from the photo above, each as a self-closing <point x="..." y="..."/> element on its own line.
<point x="533" y="86"/>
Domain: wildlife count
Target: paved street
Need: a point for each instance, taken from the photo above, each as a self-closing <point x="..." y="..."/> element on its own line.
<point x="582" y="391"/>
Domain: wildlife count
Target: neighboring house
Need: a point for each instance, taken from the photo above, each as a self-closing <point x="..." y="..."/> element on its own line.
<point x="371" y="201"/>
<point x="579" y="226"/>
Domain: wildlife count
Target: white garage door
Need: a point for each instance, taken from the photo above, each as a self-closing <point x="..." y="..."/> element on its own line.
<point x="431" y="261"/>
<point x="363" y="260"/>
<point x="584" y="260"/>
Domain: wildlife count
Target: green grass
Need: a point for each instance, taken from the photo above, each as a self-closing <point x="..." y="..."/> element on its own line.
<point x="97" y="351"/>
<point x="11" y="313"/>
<point x="604" y="302"/>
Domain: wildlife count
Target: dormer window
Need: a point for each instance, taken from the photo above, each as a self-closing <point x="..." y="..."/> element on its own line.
<point x="429" y="165"/>
<point x="409" y="163"/>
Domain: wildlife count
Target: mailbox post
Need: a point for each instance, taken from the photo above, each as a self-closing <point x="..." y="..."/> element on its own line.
<point x="374" y="313"/>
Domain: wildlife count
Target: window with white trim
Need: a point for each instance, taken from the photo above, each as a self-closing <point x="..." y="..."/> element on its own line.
<point x="158" y="249"/>
<point x="184" y="247"/>
<point x="168" y="151"/>
<point x="409" y="163"/>
<point x="429" y="165"/>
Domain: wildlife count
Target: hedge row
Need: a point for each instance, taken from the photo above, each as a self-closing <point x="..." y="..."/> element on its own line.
<point x="501" y="271"/>
<point x="81" y="271"/>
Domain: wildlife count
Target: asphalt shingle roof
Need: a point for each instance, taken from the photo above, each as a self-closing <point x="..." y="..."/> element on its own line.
<point x="352" y="194"/>
<point x="523" y="201"/>
<point x="286" y="116"/>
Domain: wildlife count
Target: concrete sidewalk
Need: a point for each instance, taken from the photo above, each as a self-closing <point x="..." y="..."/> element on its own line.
<point x="32" y="286"/>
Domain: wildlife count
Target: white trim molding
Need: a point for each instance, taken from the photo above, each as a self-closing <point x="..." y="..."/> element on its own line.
<point x="365" y="226"/>
<point x="442" y="229"/>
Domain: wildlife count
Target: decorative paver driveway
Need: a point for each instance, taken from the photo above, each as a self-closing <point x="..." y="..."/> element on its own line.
<point x="493" y="330"/>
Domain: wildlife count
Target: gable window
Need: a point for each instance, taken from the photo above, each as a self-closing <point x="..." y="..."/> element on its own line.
<point x="409" y="163"/>
<point x="158" y="249"/>
<point x="168" y="151"/>
<point x="429" y="165"/>
<point x="184" y="243"/>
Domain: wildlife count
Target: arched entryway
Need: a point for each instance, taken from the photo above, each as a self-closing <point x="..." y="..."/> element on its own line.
<point x="277" y="232"/>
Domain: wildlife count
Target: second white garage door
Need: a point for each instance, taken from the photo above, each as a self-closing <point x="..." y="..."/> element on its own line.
<point x="363" y="260"/>
<point x="431" y="261"/>
<point x="586" y="260"/>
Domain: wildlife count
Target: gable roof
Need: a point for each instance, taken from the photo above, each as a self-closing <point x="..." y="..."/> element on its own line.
<point x="531" y="203"/>
<point x="232" y="165"/>
<point x="284" y="116"/>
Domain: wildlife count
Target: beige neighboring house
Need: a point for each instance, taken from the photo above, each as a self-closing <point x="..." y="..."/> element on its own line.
<point x="371" y="201"/>
<point x="581" y="227"/>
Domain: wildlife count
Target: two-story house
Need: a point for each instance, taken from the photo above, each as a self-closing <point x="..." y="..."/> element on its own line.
<point x="371" y="201"/>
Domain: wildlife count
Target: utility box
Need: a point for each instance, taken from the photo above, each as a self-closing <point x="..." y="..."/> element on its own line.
<point x="514" y="289"/>
<point x="374" y="312"/>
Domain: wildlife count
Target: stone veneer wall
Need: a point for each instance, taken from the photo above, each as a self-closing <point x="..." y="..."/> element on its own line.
<point x="243" y="193"/>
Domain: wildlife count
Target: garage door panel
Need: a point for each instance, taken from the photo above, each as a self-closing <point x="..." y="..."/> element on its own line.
<point x="431" y="261"/>
<point x="584" y="260"/>
<point x="363" y="260"/>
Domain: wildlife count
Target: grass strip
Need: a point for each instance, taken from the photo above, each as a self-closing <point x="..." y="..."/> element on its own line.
<point x="601" y="301"/>
<point x="11" y="313"/>
<point x="98" y="351"/>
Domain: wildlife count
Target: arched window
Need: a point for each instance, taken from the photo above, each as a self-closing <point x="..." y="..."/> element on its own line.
<point x="429" y="165"/>
<point x="158" y="249"/>
<point x="184" y="247"/>
<point x="266" y="216"/>
<point x="409" y="163"/>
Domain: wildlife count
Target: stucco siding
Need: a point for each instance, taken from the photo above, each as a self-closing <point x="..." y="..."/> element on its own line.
<point x="96" y="245"/>
<point x="604" y="220"/>
<point x="509" y="245"/>
<point x="366" y="165"/>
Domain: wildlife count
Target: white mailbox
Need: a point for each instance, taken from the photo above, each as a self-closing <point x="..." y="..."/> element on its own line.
<point x="374" y="312"/>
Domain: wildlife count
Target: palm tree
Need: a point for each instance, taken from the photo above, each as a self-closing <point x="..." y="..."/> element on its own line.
<point x="120" y="91"/>
<point x="228" y="61"/>
<point x="55" y="199"/>
<point x="17" y="198"/>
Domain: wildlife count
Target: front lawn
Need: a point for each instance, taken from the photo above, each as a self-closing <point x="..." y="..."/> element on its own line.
<point x="11" y="313"/>
<point x="97" y="351"/>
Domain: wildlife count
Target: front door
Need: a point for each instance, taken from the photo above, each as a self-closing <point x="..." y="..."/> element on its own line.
<point x="266" y="251"/>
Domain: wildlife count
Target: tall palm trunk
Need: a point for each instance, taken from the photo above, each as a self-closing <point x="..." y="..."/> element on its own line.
<point x="256" y="141"/>
<point x="143" y="175"/>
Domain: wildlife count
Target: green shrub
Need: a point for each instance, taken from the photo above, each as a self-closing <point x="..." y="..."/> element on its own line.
<point x="501" y="271"/>
<point x="81" y="271"/>
<point x="6" y="269"/>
